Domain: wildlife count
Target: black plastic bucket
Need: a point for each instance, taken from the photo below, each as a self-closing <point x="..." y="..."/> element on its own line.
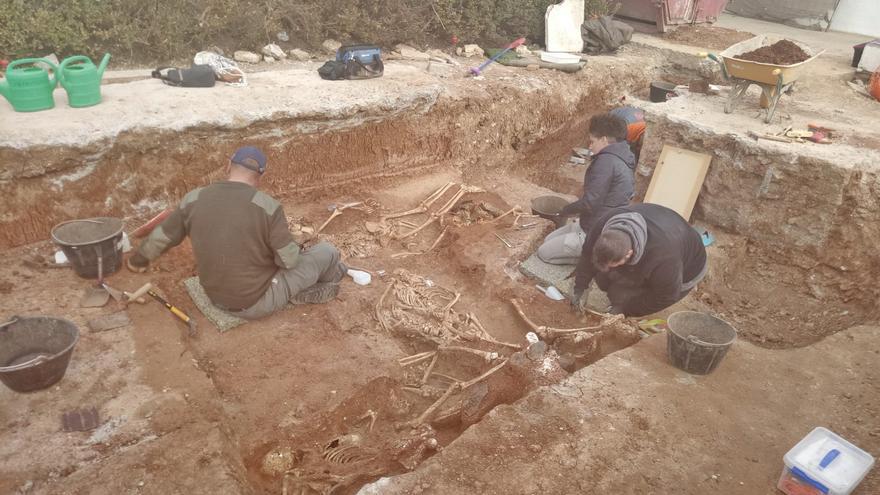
<point x="35" y="351"/>
<point x="91" y="245"/>
<point x="662" y="91"/>
<point x="549" y="207"/>
<point x="697" y="342"/>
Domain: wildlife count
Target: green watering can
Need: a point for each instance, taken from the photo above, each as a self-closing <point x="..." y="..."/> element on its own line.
<point x="27" y="86"/>
<point x="82" y="80"/>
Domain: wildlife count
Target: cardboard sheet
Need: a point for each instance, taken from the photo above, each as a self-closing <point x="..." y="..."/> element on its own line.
<point x="677" y="180"/>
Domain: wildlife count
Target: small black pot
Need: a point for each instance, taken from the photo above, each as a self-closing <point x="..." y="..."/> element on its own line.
<point x="662" y="91"/>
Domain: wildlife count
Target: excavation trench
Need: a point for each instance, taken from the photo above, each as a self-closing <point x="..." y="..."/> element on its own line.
<point x="315" y="398"/>
<point x="444" y="308"/>
<point x="773" y="285"/>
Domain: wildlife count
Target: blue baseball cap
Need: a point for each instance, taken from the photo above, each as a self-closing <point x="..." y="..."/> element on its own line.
<point x="250" y="157"/>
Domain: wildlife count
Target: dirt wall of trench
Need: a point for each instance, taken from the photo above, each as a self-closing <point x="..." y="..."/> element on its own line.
<point x="137" y="174"/>
<point x="793" y="209"/>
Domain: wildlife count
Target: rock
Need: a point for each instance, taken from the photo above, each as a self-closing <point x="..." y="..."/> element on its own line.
<point x="274" y="51"/>
<point x="471" y="50"/>
<point x="535" y="448"/>
<point x="436" y="53"/>
<point x="107" y="430"/>
<point x="331" y="45"/>
<point x="699" y="86"/>
<point x="300" y="55"/>
<point x="377" y="487"/>
<point x="246" y="57"/>
<point x="410" y="53"/>
<point x="283" y="36"/>
<point x="519" y="360"/>
<point x="536" y="351"/>
<point x="26" y="487"/>
<point x="268" y="59"/>
<point x="582" y="152"/>
<point x="441" y="56"/>
<point x="568" y="363"/>
<point x="523" y="50"/>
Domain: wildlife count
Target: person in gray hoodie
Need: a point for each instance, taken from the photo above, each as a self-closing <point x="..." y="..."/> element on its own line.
<point x="608" y="183"/>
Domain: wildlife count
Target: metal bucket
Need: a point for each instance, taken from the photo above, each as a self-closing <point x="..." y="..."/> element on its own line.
<point x="35" y="351"/>
<point x="549" y="207"/>
<point x="93" y="245"/>
<point x="697" y="342"/>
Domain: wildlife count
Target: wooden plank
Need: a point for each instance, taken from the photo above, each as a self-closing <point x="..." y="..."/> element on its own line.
<point x="677" y="180"/>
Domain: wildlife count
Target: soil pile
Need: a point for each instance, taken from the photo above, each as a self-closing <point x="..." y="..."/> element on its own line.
<point x="782" y="52"/>
<point x="711" y="37"/>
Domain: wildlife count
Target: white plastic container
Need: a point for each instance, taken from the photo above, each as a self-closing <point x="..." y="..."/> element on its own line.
<point x="823" y="463"/>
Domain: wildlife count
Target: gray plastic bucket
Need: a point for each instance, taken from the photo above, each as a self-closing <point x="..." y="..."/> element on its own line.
<point x="93" y="245"/>
<point x="35" y="351"/>
<point x="697" y="342"/>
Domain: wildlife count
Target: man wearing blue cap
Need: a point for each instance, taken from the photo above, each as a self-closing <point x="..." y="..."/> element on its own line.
<point x="247" y="259"/>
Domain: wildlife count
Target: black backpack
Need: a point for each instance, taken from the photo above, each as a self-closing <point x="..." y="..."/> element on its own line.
<point x="197" y="76"/>
<point x="354" y="62"/>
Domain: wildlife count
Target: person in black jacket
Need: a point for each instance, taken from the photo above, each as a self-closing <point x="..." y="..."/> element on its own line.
<point x="608" y="183"/>
<point x="646" y="257"/>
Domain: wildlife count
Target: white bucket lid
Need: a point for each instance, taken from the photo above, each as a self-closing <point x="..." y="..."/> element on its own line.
<point x="828" y="459"/>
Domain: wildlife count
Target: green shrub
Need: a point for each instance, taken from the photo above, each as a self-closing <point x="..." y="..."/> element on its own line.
<point x="161" y="31"/>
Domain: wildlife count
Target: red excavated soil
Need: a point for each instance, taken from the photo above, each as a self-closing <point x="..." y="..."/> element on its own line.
<point x="782" y="52"/>
<point x="703" y="36"/>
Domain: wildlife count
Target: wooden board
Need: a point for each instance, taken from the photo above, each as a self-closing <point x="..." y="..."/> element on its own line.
<point x="677" y="180"/>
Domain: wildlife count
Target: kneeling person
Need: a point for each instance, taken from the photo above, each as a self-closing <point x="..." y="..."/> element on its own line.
<point x="247" y="259"/>
<point x="608" y="183"/>
<point x="646" y="257"/>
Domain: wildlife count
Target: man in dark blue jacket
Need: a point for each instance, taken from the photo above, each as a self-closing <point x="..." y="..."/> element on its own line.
<point x="608" y="183"/>
<point x="646" y="257"/>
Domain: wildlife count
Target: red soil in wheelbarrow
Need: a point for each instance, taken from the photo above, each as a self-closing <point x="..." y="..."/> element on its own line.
<point x="782" y="52"/>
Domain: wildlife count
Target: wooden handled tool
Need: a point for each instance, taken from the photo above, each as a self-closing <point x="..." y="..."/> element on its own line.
<point x="190" y="323"/>
<point x="137" y="295"/>
<point x="769" y="137"/>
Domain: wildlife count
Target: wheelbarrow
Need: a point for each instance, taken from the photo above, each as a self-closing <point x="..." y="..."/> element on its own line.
<point x="774" y="80"/>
